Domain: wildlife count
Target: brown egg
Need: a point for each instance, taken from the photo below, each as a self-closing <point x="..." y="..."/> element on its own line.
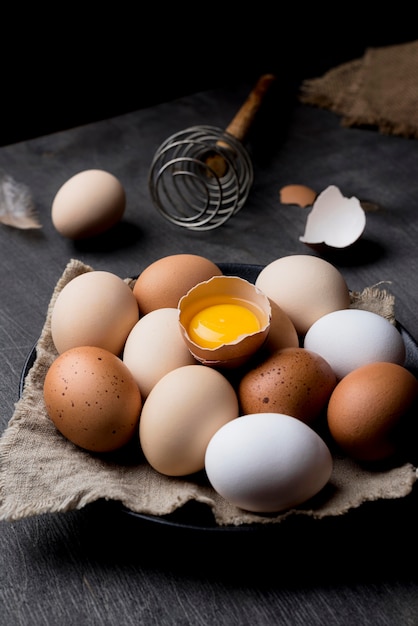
<point x="297" y="194"/>
<point x="166" y="280"/>
<point x="366" y="407"/>
<point x="92" y="398"/>
<point x="293" y="381"/>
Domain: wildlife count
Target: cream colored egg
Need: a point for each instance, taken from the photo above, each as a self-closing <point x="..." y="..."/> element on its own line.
<point x="88" y="204"/>
<point x="96" y="308"/>
<point x="154" y="347"/>
<point x="305" y="287"/>
<point x="181" y="414"/>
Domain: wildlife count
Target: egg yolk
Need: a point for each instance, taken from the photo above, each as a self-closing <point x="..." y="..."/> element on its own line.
<point x="218" y="324"/>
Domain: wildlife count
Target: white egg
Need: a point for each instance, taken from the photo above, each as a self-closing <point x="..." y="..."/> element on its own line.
<point x="154" y="347"/>
<point x="267" y="462"/>
<point x="350" y="338"/>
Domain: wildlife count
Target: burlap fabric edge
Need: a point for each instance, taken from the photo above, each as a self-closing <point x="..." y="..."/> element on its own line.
<point x="41" y="472"/>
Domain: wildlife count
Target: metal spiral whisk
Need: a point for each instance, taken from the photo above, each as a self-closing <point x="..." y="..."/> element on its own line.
<point x="201" y="176"/>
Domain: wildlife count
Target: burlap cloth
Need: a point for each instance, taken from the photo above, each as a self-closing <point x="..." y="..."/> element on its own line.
<point x="41" y="472"/>
<point x="378" y="90"/>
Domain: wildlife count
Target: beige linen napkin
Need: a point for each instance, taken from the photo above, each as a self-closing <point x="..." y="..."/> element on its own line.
<point x="41" y="472"/>
<point x="378" y="90"/>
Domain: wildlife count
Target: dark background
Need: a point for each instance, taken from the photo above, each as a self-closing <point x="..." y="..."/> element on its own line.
<point x="69" y="66"/>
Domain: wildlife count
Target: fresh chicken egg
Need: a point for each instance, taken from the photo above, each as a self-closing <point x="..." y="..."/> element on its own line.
<point x="96" y="308"/>
<point x="305" y="287"/>
<point x="350" y="338"/>
<point x="92" y="398"/>
<point x="166" y="280"/>
<point x="154" y="347"/>
<point x="293" y="381"/>
<point x="267" y="462"/>
<point x="366" y="409"/>
<point x="88" y="204"/>
<point x="181" y="413"/>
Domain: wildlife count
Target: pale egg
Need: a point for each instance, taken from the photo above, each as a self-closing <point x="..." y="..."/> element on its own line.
<point x="96" y="308"/>
<point x="267" y="462"/>
<point x="154" y="347"/>
<point x="305" y="287"/>
<point x="180" y="415"/>
<point x="350" y="338"/>
<point x="88" y="204"/>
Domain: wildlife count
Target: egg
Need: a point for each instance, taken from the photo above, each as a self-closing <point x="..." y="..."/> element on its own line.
<point x="166" y="280"/>
<point x="154" y="347"/>
<point x="96" y="308"/>
<point x="88" y="204"/>
<point x="180" y="415"/>
<point x="305" y="287"/>
<point x="350" y="338"/>
<point x="92" y="399"/>
<point x="224" y="320"/>
<point x="267" y="462"/>
<point x="366" y="409"/>
<point x="293" y="381"/>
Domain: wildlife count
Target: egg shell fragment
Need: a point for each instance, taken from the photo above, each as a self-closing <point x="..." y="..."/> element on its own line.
<point x="366" y="409"/>
<point x="334" y="220"/>
<point x="96" y="308"/>
<point x="154" y="347"/>
<point x="305" y="287"/>
<point x="218" y="290"/>
<point x="267" y="462"/>
<point x="180" y="415"/>
<point x="88" y="204"/>
<point x="351" y="338"/>
<point x="293" y="381"/>
<point x="92" y="398"/>
<point x="166" y="280"/>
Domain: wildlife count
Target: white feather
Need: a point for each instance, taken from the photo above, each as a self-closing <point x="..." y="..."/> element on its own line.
<point x="16" y="204"/>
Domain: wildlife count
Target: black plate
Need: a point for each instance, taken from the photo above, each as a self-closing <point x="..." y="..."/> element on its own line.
<point x="194" y="515"/>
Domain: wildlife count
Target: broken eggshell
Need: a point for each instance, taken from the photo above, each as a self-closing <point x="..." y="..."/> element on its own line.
<point x="301" y="195"/>
<point x="334" y="220"/>
<point x="225" y="290"/>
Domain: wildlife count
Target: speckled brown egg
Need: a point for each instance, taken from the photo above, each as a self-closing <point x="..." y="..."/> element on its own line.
<point x="163" y="282"/>
<point x="366" y="408"/>
<point x="92" y="398"/>
<point x="293" y="381"/>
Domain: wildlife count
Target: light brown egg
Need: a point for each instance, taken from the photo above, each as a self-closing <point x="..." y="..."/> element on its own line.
<point x="293" y="381"/>
<point x="96" y="308"/>
<point x="88" y="204"/>
<point x="366" y="407"/>
<point x="162" y="283"/>
<point x="92" y="398"/>
<point x="300" y="195"/>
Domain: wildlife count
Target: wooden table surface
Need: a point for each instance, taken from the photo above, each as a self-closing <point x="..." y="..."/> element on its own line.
<point x="101" y="566"/>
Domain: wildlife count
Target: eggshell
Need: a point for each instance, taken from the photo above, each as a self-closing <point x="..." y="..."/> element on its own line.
<point x="293" y="381"/>
<point x="267" y="462"/>
<point x="180" y="415"/>
<point x="334" y="220"/>
<point x="92" y="398"/>
<point x="217" y="290"/>
<point x="297" y="194"/>
<point x="366" y="408"/>
<point x="88" y="204"/>
<point x="96" y="308"/>
<point x="166" y="280"/>
<point x="351" y="338"/>
<point x="305" y="287"/>
<point x="154" y="347"/>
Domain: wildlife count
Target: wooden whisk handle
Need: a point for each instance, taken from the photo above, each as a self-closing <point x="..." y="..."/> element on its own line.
<point x="242" y="121"/>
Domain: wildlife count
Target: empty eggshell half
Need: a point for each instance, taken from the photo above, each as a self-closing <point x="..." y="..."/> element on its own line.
<point x="334" y="220"/>
<point x="228" y="295"/>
